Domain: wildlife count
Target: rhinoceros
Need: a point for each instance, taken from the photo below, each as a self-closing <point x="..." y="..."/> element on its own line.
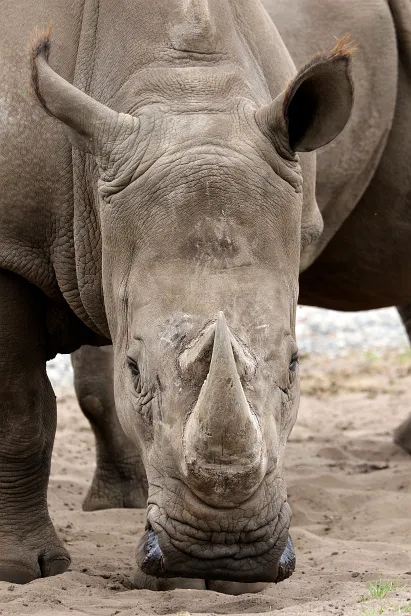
<point x="160" y="194"/>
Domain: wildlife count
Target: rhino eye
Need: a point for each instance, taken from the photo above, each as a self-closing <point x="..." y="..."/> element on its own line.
<point x="294" y="362"/>
<point x="132" y="364"/>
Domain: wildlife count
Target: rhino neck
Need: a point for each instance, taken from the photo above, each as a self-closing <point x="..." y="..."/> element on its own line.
<point x="76" y="252"/>
<point x="87" y="244"/>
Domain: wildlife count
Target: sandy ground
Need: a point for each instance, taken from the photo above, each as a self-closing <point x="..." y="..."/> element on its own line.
<point x="350" y="490"/>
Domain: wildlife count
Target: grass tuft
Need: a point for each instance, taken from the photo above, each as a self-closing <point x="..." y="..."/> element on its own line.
<point x="372" y="611"/>
<point x="405" y="357"/>
<point x="370" y="356"/>
<point x="387" y="609"/>
<point x="379" y="590"/>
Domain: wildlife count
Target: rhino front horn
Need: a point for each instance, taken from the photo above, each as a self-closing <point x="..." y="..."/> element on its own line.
<point x="223" y="444"/>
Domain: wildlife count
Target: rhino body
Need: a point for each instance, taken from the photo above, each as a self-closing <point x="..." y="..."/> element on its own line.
<point x="159" y="206"/>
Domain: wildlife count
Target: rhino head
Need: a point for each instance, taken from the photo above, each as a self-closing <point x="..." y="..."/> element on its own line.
<point x="204" y="209"/>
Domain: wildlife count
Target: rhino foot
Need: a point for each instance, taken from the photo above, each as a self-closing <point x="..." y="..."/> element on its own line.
<point x="115" y="489"/>
<point x="40" y="554"/>
<point x="402" y="435"/>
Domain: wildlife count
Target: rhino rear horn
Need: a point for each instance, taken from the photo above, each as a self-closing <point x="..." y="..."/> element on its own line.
<point x="93" y="126"/>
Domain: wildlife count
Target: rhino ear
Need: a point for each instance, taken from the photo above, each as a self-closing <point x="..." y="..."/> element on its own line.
<point x="93" y="126"/>
<point x="317" y="104"/>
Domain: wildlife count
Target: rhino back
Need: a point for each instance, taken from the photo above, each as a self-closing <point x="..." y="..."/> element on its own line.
<point x="346" y="166"/>
<point x="366" y="265"/>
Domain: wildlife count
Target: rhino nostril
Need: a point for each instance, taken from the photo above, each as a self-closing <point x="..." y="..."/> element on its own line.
<point x="149" y="554"/>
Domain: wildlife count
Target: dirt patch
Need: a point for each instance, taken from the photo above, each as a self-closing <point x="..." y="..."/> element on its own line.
<point x="350" y="491"/>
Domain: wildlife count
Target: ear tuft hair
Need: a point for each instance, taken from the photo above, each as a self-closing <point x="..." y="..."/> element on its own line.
<point x="343" y="50"/>
<point x="40" y="45"/>
<point x="343" y="47"/>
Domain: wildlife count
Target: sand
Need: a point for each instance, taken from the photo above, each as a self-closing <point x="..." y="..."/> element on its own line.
<point x="350" y="491"/>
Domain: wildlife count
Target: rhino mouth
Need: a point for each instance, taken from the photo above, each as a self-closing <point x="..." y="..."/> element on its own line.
<point x="271" y="561"/>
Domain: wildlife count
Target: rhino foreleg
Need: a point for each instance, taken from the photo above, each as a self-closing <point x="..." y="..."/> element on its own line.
<point x="29" y="546"/>
<point x="402" y="434"/>
<point x="119" y="479"/>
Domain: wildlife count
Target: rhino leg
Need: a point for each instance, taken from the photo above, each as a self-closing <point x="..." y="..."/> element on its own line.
<point x="29" y="546"/>
<point x="402" y="434"/>
<point x="119" y="479"/>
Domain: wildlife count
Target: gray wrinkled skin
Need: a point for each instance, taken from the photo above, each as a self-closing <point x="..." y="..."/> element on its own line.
<point x="160" y="205"/>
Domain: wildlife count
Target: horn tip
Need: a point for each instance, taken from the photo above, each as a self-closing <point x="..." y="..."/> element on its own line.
<point x="221" y="318"/>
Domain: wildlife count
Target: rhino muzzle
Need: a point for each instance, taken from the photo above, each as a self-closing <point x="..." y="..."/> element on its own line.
<point x="224" y="453"/>
<point x="222" y="514"/>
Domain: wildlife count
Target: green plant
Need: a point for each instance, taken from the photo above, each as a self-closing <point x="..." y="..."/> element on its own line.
<point x="372" y="611"/>
<point x="387" y="609"/>
<point x="379" y="590"/>
<point x="405" y="357"/>
<point x="371" y="356"/>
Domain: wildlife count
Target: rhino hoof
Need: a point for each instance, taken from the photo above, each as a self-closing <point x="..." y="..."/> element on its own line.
<point x="23" y="573"/>
<point x="17" y="574"/>
<point x="110" y="490"/>
<point x="35" y="557"/>
<point x="402" y="435"/>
